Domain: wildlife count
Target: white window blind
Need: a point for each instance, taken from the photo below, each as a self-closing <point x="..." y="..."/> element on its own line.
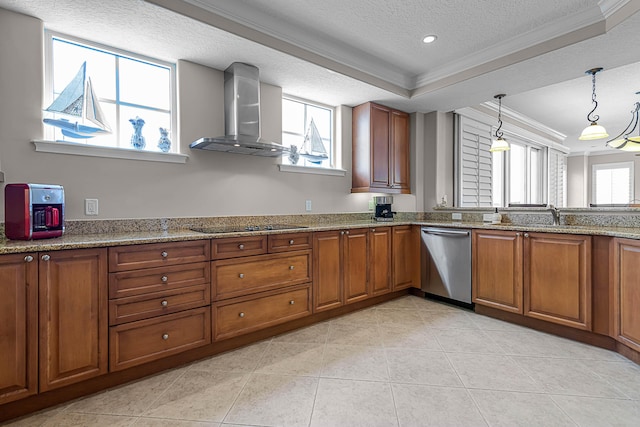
<point x="557" y="178"/>
<point x="474" y="173"/>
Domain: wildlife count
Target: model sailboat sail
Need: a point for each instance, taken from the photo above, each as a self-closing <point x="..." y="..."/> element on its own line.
<point x="312" y="148"/>
<point x="79" y="101"/>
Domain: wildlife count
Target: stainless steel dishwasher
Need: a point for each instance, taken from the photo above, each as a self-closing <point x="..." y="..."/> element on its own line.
<point x="446" y="262"/>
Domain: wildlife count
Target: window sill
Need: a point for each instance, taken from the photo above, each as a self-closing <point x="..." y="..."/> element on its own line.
<point x="109" y="152"/>
<point x="311" y="170"/>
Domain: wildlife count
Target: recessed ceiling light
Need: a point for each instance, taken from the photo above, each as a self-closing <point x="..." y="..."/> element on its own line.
<point x="429" y="39"/>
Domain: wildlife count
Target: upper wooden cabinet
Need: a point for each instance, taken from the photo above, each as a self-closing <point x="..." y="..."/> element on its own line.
<point x="18" y="326"/>
<point x="541" y="275"/>
<point x="73" y="316"/>
<point x="626" y="287"/>
<point x="380" y="150"/>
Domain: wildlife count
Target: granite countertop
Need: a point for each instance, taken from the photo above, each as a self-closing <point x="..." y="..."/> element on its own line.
<point x="76" y="241"/>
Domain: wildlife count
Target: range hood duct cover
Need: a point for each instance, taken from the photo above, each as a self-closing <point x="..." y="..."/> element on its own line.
<point x="241" y="116"/>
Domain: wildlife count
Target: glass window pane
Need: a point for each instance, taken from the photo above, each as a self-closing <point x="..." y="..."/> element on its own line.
<point x="517" y="191"/>
<point x="296" y="120"/>
<point x="497" y="179"/>
<point x="293" y="117"/>
<point x="144" y="84"/>
<point x="535" y="184"/>
<point x="612" y="185"/>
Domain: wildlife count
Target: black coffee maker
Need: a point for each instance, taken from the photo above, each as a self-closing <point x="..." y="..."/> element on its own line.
<point x="383" y="208"/>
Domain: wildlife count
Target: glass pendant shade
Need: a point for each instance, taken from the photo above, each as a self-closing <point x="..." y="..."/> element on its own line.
<point x="626" y="144"/>
<point x="593" y="131"/>
<point x="499" y="144"/>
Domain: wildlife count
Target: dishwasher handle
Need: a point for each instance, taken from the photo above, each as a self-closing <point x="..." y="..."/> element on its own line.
<point x="448" y="233"/>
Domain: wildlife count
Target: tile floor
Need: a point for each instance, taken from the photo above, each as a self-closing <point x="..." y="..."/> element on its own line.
<point x="408" y="362"/>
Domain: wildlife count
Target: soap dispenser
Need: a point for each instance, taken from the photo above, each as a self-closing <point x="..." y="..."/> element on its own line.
<point x="496" y="218"/>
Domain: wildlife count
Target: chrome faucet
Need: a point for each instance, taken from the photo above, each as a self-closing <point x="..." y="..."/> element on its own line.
<point x="555" y="214"/>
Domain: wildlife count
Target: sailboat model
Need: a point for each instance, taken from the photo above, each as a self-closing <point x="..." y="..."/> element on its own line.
<point x="312" y="148"/>
<point x="79" y="101"/>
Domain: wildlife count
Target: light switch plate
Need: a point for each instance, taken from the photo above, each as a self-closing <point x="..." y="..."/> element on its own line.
<point x="91" y="206"/>
<point x="307" y="205"/>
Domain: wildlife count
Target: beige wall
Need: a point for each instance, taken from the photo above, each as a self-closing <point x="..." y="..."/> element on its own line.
<point x="209" y="184"/>
<point x="577" y="169"/>
<point x="438" y="159"/>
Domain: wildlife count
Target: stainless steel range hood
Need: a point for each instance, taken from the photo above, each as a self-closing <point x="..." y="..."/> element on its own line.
<point x="241" y="116"/>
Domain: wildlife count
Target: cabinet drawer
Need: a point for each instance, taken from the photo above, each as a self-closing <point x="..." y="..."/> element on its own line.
<point x="122" y="258"/>
<point x="139" y="342"/>
<point x="289" y="242"/>
<point x="150" y="280"/>
<point x="243" y="315"/>
<point x="238" y="246"/>
<point x="140" y="307"/>
<point x="237" y="277"/>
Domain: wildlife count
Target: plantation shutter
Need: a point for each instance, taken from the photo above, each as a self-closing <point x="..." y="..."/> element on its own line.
<point x="557" y="178"/>
<point x="474" y="174"/>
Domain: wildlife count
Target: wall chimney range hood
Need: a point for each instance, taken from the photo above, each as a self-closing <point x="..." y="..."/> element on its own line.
<point x="241" y="116"/>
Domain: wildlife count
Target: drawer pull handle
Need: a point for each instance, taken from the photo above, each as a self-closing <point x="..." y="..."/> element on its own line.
<point x="164" y="303"/>
<point x="241" y="275"/>
<point x="165" y="336"/>
<point x="292" y="302"/>
<point x="46" y="257"/>
<point x="28" y="258"/>
<point x="164" y="279"/>
<point x="240" y="246"/>
<point x="291" y="267"/>
<point x="164" y="254"/>
<point x="241" y="314"/>
<point x="291" y="242"/>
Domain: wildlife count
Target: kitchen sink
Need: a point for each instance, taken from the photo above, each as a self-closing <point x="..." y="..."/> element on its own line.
<point x="244" y="229"/>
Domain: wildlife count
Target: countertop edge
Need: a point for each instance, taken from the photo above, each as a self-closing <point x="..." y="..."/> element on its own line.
<point x="80" y="241"/>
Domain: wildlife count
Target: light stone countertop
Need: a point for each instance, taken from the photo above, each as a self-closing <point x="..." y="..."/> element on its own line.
<point x="77" y="241"/>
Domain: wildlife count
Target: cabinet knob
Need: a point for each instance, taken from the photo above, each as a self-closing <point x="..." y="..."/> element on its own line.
<point x="165" y="336"/>
<point x="526" y="234"/>
<point x="241" y="314"/>
<point x="373" y="230"/>
<point x="46" y="257"/>
<point x="342" y="233"/>
<point x="164" y="279"/>
<point x="28" y="258"/>
<point x="291" y="267"/>
<point x="292" y="302"/>
<point x="240" y="246"/>
<point x="346" y="232"/>
<point x="164" y="254"/>
<point x="291" y="242"/>
<point x="518" y="234"/>
<point x="164" y="303"/>
<point x="241" y="275"/>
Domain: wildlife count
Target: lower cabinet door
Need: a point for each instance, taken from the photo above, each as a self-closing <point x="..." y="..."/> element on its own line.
<point x="247" y="314"/>
<point x="73" y="316"/>
<point x="139" y="342"/>
<point x="327" y="270"/>
<point x="627" y="293"/>
<point x="356" y="278"/>
<point x="18" y="326"/>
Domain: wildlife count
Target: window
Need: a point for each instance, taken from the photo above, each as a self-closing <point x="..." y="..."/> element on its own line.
<point x="308" y="129"/>
<point x="612" y="183"/>
<point x="526" y="169"/>
<point x="128" y="91"/>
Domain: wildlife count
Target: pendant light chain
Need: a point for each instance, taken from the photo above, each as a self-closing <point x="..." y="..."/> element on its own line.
<point x="596" y="117"/>
<point x="499" y="133"/>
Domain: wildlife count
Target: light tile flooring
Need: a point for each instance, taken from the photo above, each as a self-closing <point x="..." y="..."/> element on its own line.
<point x="408" y="362"/>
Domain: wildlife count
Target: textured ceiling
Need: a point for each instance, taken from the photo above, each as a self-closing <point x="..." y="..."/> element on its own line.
<point x="535" y="51"/>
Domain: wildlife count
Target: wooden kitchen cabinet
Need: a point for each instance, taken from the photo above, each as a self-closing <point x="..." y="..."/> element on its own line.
<point x="557" y="280"/>
<point x="380" y="143"/>
<point x="340" y="268"/>
<point x="626" y="284"/>
<point x="18" y="326"/>
<point x="73" y="316"/>
<point x="380" y="260"/>
<point x="545" y="276"/>
<point x="405" y="257"/>
<point x="497" y="269"/>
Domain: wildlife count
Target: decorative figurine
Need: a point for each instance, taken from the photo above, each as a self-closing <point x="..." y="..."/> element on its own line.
<point x="294" y="156"/>
<point x="137" y="140"/>
<point x="164" y="143"/>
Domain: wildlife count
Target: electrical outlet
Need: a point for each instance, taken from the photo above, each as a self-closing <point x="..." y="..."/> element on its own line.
<point x="307" y="205"/>
<point x="91" y="206"/>
<point x="456" y="216"/>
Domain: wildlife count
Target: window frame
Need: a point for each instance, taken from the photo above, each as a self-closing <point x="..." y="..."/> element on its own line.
<point x="543" y="175"/>
<point x="87" y="149"/>
<point x="608" y="166"/>
<point x="335" y="160"/>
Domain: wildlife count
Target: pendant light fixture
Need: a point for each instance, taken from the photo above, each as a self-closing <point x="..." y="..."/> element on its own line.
<point x="594" y="130"/>
<point x="499" y="143"/>
<point x="625" y="142"/>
